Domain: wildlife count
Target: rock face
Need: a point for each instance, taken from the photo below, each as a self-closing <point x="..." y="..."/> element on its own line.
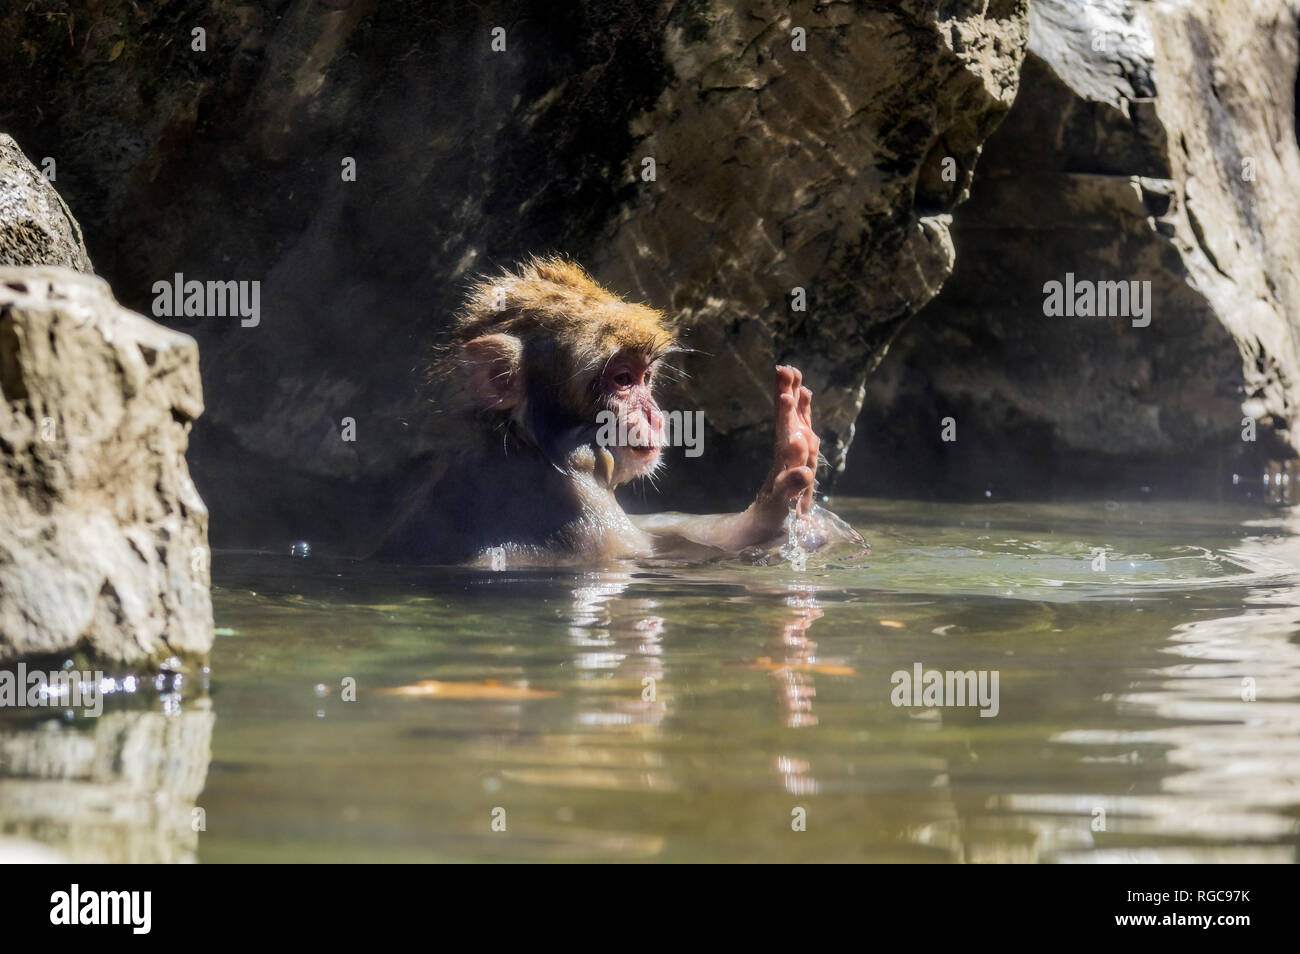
<point x="36" y="227"/>
<point x="795" y="146"/>
<point x="1152" y="142"/>
<point x="821" y="170"/>
<point x="103" y="537"/>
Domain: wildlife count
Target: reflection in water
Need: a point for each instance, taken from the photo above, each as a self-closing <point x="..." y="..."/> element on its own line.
<point x="682" y="713"/>
<point x="118" y="788"/>
<point x="795" y="688"/>
<point x="1228" y="718"/>
<point x="620" y="646"/>
<point x="609" y="743"/>
<point x="797" y="652"/>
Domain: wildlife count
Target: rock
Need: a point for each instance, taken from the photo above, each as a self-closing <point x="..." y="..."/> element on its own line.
<point x="36" y="227"/>
<point x="1168" y="155"/>
<point x="775" y="168"/>
<point x="821" y="170"/>
<point x="103" y="537"/>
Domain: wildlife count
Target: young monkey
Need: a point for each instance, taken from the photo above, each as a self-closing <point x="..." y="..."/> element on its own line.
<point x="543" y="350"/>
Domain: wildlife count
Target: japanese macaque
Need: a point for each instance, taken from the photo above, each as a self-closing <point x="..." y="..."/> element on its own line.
<point x="541" y="352"/>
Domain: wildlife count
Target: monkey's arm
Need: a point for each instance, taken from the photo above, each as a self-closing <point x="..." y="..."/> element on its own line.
<point x="675" y="533"/>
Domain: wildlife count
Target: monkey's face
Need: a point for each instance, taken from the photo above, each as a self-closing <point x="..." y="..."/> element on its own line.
<point x="625" y="388"/>
<point x="568" y="367"/>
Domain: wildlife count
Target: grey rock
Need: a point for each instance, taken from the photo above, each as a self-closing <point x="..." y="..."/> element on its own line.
<point x="103" y="536"/>
<point x="36" y="227"/>
<point x="1151" y="142"/>
<point x="822" y="170"/>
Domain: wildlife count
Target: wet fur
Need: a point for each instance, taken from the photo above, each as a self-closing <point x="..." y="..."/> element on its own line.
<point x="513" y="481"/>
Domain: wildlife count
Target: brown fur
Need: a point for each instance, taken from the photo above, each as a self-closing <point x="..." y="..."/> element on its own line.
<point x="557" y="298"/>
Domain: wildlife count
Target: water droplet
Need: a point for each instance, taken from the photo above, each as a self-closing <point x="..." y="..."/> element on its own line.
<point x="793" y="549"/>
<point x="300" y="548"/>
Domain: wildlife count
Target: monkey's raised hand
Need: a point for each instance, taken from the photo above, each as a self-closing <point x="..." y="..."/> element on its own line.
<point x="795" y="456"/>
<point x="788" y="487"/>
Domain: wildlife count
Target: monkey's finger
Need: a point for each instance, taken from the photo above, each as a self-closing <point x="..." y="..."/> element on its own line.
<point x="779" y="390"/>
<point x="784" y="382"/>
<point x="805" y="406"/>
<point x="786" y="422"/>
<point x="814" y="450"/>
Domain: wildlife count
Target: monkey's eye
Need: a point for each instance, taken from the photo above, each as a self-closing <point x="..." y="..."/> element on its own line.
<point x="624" y="379"/>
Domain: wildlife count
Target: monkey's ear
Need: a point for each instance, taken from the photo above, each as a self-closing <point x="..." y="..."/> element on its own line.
<point x="495" y="364"/>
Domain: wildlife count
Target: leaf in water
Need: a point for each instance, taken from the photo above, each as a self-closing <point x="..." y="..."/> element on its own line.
<point x="765" y="664"/>
<point x="118" y="47"/>
<point x="486" y="689"/>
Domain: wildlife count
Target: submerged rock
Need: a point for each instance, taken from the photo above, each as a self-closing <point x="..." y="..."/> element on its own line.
<point x="1152" y="142"/>
<point x="103" y="537"/>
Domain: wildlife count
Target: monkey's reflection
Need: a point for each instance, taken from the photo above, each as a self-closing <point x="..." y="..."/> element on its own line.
<point x="621" y="641"/>
<point x="792" y="654"/>
<point x="620" y="661"/>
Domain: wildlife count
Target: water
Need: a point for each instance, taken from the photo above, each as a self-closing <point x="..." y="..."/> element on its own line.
<point x="671" y="713"/>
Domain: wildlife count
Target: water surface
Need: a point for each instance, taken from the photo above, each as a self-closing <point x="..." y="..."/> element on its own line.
<point x="1147" y="710"/>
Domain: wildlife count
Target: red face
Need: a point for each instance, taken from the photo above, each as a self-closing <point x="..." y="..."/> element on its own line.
<point x="625" y="389"/>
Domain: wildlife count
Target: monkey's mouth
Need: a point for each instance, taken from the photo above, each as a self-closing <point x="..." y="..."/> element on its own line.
<point x="642" y="444"/>
<point x="635" y="460"/>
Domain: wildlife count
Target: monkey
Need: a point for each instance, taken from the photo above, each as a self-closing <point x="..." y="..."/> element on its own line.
<point x="542" y="352"/>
